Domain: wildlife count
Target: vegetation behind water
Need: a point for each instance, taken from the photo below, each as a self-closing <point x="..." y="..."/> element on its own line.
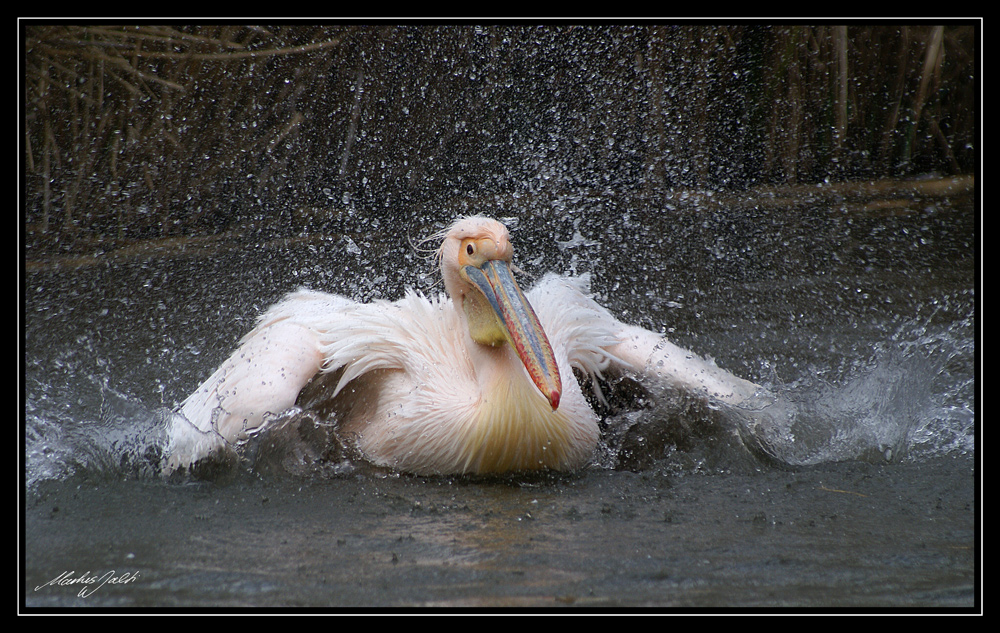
<point x="153" y="132"/>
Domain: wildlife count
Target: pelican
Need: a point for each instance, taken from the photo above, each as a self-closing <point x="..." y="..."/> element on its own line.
<point x="477" y="380"/>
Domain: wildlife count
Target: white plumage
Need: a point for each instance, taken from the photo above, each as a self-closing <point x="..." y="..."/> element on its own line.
<point x="444" y="384"/>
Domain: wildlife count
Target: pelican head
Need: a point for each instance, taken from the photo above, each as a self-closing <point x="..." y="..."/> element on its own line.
<point x="475" y="258"/>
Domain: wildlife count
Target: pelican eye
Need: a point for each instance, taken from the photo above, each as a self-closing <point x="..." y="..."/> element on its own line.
<point x="470" y="249"/>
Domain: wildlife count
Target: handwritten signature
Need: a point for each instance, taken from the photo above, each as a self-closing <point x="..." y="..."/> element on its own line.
<point x="91" y="582"/>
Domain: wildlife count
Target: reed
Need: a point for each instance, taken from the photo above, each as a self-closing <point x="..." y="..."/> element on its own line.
<point x="153" y="132"/>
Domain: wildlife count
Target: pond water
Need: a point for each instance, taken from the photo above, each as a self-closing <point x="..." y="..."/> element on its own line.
<point x="865" y="321"/>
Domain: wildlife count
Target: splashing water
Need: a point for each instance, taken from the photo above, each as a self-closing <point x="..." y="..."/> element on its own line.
<point x="910" y="399"/>
<point x="123" y="439"/>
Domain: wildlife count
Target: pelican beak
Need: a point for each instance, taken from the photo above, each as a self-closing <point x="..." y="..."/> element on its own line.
<point x="513" y="320"/>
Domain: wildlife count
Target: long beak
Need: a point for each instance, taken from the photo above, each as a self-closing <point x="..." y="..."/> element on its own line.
<point x="523" y="330"/>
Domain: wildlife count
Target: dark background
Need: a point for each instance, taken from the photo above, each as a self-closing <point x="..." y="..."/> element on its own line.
<point x="151" y="132"/>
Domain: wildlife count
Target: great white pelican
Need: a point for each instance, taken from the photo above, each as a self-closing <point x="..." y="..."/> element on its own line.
<point x="478" y="381"/>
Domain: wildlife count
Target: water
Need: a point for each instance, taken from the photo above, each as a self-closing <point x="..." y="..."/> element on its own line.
<point x="865" y="498"/>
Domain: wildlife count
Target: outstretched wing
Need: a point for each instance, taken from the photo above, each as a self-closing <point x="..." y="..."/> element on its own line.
<point x="655" y="357"/>
<point x="595" y="340"/>
<point x="270" y="366"/>
<point x="295" y="339"/>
